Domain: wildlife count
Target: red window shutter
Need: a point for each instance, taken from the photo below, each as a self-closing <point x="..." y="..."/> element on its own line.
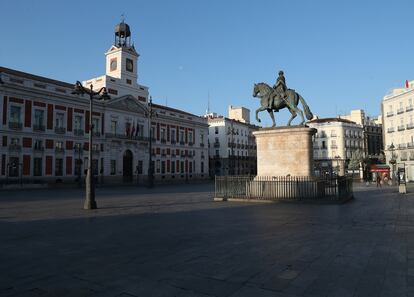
<point x="49" y="161"/>
<point x="5" y="110"/>
<point x="68" y="165"/>
<point x="69" y="145"/>
<point x="49" y="143"/>
<point x="26" y="164"/>
<point x="158" y="150"/>
<point x="50" y="116"/>
<point x="70" y="116"/>
<point x="28" y="113"/>
<point x="27" y="142"/>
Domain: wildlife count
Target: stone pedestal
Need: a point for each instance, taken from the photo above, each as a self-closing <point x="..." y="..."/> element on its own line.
<point x="283" y="151"/>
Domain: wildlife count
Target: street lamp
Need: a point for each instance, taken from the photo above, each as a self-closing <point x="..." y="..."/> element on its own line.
<point x="392" y="160"/>
<point x="90" y="202"/>
<point x="151" y="114"/>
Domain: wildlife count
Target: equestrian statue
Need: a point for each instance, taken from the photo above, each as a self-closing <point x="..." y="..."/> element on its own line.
<point x="279" y="97"/>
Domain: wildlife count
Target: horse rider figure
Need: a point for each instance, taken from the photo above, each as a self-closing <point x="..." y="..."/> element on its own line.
<point x="280" y="89"/>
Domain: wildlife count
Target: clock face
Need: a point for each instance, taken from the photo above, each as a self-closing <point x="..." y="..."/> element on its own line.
<point x="129" y="65"/>
<point x="113" y="65"/>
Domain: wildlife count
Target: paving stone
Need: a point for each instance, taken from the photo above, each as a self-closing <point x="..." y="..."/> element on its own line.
<point x="175" y="241"/>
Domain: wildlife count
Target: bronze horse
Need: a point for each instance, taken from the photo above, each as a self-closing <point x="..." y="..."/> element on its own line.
<point x="266" y="93"/>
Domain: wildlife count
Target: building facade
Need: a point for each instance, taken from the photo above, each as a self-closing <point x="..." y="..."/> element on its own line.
<point x="334" y="144"/>
<point x="398" y="122"/>
<point x="373" y="140"/>
<point x="232" y="146"/>
<point x="45" y="128"/>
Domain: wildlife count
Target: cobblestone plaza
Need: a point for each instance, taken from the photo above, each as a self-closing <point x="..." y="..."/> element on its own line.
<point x="175" y="241"/>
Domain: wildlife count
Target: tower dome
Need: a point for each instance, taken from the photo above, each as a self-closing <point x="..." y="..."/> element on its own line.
<point x="122" y="35"/>
<point x="122" y="30"/>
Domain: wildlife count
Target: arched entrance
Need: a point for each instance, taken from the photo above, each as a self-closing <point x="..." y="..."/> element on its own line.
<point x="127" y="165"/>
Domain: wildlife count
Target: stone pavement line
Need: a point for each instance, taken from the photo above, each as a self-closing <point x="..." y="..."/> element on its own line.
<point x="176" y="241"/>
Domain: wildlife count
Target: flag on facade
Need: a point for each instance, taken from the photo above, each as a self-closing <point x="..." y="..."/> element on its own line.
<point x="133" y="129"/>
<point x="406" y="84"/>
<point x="137" y="130"/>
<point x="127" y="129"/>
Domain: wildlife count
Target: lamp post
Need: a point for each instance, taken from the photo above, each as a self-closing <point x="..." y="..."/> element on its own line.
<point x="90" y="202"/>
<point x="392" y="160"/>
<point x="151" y="114"/>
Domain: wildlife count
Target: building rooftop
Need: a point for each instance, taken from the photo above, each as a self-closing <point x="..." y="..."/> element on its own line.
<point x="329" y="120"/>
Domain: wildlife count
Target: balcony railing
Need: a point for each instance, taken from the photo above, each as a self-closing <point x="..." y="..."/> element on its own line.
<point x="190" y="144"/>
<point x="334" y="146"/>
<point x="403" y="158"/>
<point x="60" y="130"/>
<point x="78" y="132"/>
<point x="122" y="136"/>
<point x="409" y="108"/>
<point x="38" y="128"/>
<point x="15" y="147"/>
<point x="400" y="110"/>
<point x="217" y="144"/>
<point x="59" y="150"/>
<point x="390" y="130"/>
<point x="390" y="114"/>
<point x="15" y="125"/>
<point x="201" y="144"/>
<point x="333" y="135"/>
<point x="96" y="133"/>
<point x="182" y="142"/>
<point x="410" y="126"/>
<point x="401" y="128"/>
<point x="402" y="146"/>
<point x="173" y="142"/>
<point x="38" y="148"/>
<point x="410" y="144"/>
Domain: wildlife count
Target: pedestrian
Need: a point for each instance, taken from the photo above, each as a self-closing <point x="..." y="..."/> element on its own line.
<point x="378" y="180"/>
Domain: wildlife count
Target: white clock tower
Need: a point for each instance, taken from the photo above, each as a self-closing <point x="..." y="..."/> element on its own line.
<point x="121" y="58"/>
<point x="121" y="75"/>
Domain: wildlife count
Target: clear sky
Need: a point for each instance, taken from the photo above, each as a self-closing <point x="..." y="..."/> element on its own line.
<point x="339" y="55"/>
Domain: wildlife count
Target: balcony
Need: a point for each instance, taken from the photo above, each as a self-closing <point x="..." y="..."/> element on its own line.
<point x="402" y="146"/>
<point x="182" y="154"/>
<point x="409" y="108"/>
<point x="201" y="144"/>
<point x="60" y="130"/>
<point x="38" y="149"/>
<point x="410" y="144"/>
<point x="182" y="142"/>
<point x="38" y="128"/>
<point x="333" y="135"/>
<point x="122" y="136"/>
<point x="190" y="144"/>
<point x="78" y="132"/>
<point x="163" y="140"/>
<point x="403" y="158"/>
<point x="96" y="134"/>
<point x="217" y="144"/>
<point x="401" y="128"/>
<point x="96" y="151"/>
<point x="390" y="114"/>
<point x="15" y="125"/>
<point x="410" y="126"/>
<point x="78" y="150"/>
<point x="15" y="147"/>
<point x="202" y="156"/>
<point x="400" y="110"/>
<point x="173" y="142"/>
<point x="390" y="130"/>
<point x="59" y="150"/>
<point x="334" y="146"/>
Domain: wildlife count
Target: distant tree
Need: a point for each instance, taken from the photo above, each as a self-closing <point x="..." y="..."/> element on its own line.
<point x="355" y="160"/>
